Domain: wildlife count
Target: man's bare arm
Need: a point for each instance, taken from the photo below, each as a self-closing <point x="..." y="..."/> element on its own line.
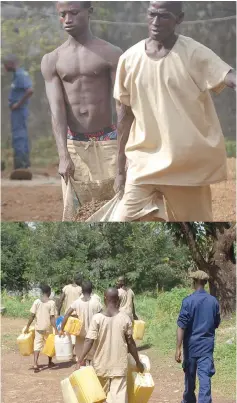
<point x="125" y="120"/>
<point x="230" y="79"/>
<point x="179" y="342"/>
<point x="132" y="349"/>
<point x="60" y="304"/>
<point x="55" y="97"/>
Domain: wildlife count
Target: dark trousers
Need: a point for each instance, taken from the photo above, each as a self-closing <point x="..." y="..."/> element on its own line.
<point x="204" y="368"/>
<point x="20" y="141"/>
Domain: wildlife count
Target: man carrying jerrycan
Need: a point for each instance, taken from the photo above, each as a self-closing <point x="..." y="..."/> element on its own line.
<point x="110" y="334"/>
<point x="43" y="311"/>
<point x="85" y="307"/>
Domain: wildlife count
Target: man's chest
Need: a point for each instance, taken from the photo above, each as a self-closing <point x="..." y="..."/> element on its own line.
<point x="71" y="65"/>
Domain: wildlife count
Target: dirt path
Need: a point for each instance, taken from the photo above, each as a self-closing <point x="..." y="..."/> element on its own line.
<point x="41" y="198"/>
<point x="21" y="385"/>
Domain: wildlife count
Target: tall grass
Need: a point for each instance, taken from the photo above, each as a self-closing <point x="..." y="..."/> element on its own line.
<point x="16" y="307"/>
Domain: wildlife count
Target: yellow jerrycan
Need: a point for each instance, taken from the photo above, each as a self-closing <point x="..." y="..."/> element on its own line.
<point x="132" y="367"/>
<point x="26" y="342"/>
<point x="87" y="386"/>
<point x="138" y="329"/>
<point x="49" y="347"/>
<point x="68" y="392"/>
<point x="73" y="326"/>
<point x="31" y="329"/>
<point x="141" y="388"/>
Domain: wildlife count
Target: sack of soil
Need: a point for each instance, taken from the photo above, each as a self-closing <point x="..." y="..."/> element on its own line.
<point x="107" y="211"/>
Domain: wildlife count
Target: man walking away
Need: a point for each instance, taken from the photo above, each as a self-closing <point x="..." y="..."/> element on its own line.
<point x="197" y="321"/>
<point x="21" y="91"/>
<point x="126" y="298"/>
<point x="85" y="307"/>
<point x="43" y="311"/>
<point x="70" y="294"/>
<point x="110" y="334"/>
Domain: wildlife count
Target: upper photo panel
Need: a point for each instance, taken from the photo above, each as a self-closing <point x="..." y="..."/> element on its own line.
<point x="118" y="111"/>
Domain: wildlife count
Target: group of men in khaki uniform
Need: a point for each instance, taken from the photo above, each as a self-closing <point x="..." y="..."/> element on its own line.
<point x="111" y="327"/>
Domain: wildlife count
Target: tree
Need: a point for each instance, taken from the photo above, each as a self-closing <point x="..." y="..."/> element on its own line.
<point x="13" y="256"/>
<point x="212" y="246"/>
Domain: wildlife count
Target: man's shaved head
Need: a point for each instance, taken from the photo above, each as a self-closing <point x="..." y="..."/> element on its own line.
<point x="121" y="281"/>
<point x="75" y="17"/>
<point x="83" y="4"/>
<point x="10" y="62"/>
<point x="111" y="295"/>
<point x="10" y="58"/>
<point x="175" y="7"/>
<point x="163" y="17"/>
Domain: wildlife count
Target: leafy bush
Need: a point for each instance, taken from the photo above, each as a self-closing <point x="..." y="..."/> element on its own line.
<point x="230" y="148"/>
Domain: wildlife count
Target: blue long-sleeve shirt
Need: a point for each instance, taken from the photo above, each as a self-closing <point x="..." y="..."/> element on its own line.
<point x="199" y="316"/>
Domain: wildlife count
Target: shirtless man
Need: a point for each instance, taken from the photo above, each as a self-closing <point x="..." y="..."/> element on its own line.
<point x="79" y="77"/>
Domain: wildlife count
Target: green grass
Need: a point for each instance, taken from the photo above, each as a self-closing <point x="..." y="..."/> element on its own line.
<point x="160" y="314"/>
<point x="43" y="153"/>
<point x="230" y="148"/>
<point x="16" y="307"/>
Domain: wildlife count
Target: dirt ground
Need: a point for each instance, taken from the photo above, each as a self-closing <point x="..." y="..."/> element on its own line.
<point x="41" y="198"/>
<point x="21" y="385"/>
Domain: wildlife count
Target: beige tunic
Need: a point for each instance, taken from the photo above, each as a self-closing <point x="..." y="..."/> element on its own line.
<point x="42" y="311"/>
<point x="126" y="298"/>
<point x="111" y="352"/>
<point x="85" y="311"/>
<point x="72" y="293"/>
<point x="176" y="138"/>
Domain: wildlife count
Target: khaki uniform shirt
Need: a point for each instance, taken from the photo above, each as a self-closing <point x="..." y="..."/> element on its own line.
<point x="42" y="311"/>
<point x="111" y="352"/>
<point x="176" y="137"/>
<point x="85" y="311"/>
<point x="72" y="293"/>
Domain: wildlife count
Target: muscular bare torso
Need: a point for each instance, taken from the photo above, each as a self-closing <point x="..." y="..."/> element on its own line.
<point x="87" y="73"/>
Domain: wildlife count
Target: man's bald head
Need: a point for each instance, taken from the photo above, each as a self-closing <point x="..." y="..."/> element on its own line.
<point x="121" y="282"/>
<point x="163" y="17"/>
<point x="10" y="62"/>
<point x="83" y="4"/>
<point x="75" y="17"/>
<point x="175" y="7"/>
<point x="111" y="296"/>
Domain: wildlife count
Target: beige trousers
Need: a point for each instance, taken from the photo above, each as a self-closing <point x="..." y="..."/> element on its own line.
<point x="115" y="389"/>
<point x="165" y="203"/>
<point x="40" y="338"/>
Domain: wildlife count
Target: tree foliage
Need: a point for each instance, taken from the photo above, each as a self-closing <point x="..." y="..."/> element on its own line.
<point x="54" y="252"/>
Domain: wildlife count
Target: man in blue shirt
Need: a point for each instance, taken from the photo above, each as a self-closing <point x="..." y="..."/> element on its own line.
<point x="20" y="93"/>
<point x="199" y="317"/>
